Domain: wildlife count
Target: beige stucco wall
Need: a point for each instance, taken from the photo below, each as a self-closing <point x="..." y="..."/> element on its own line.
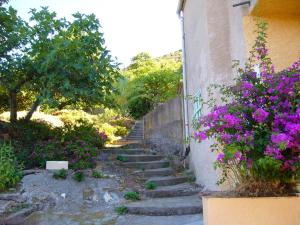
<point x="251" y="211"/>
<point x="283" y="37"/>
<point x="213" y="38"/>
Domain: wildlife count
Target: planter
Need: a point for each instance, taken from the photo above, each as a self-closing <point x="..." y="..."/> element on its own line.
<point x="251" y="211"/>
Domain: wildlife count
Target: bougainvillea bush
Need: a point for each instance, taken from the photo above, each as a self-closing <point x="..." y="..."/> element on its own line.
<point x="257" y="128"/>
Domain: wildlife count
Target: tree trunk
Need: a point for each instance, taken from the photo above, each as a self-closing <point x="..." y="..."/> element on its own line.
<point x="34" y="107"/>
<point x="13" y="106"/>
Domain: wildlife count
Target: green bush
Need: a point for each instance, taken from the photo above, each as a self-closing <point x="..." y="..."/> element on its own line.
<point x="60" y="174"/>
<point x="109" y="130"/>
<point x="10" y="171"/>
<point x="139" y="106"/>
<point x="73" y="116"/>
<point x="86" y="132"/>
<point x="123" y="122"/>
<point x="132" y="195"/>
<point x="121" y="131"/>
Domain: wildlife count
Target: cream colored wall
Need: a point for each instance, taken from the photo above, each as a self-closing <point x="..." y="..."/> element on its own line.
<point x="217" y="33"/>
<point x="251" y="211"/>
<point x="283" y="37"/>
<point x="213" y="38"/>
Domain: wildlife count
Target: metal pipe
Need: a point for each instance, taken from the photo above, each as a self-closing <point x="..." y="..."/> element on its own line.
<point x="185" y="99"/>
<point x="242" y="3"/>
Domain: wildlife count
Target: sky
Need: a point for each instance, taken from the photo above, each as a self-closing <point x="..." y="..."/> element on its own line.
<point x="129" y="26"/>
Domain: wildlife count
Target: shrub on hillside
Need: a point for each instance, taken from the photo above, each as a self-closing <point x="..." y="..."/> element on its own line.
<point x="121" y="131"/>
<point x="10" y="171"/>
<point x="86" y="132"/>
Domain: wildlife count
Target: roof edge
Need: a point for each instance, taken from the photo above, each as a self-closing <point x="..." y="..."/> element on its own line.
<point x="180" y="6"/>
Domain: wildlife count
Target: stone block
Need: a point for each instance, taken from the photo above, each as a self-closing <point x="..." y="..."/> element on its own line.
<point x="57" y="165"/>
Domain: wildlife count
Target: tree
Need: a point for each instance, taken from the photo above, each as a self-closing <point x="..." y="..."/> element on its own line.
<point x="150" y="81"/>
<point x="61" y="62"/>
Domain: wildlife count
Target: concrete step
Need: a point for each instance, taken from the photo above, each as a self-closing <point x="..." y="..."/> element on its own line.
<point x="156" y="172"/>
<point x="168" y="180"/>
<point x="147" y="165"/>
<point x="141" y="158"/>
<point x="186" y="205"/>
<point x="184" y="189"/>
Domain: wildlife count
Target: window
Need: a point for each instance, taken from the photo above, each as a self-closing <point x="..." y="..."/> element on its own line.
<point x="197" y="106"/>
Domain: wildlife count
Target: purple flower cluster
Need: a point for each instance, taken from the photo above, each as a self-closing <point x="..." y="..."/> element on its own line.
<point x="260" y="115"/>
<point x="262" y="120"/>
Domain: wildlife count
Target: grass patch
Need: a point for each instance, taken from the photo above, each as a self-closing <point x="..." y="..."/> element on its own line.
<point x="60" y="174"/>
<point x="132" y="195"/>
<point x="150" y="185"/>
<point x="122" y="210"/>
<point x="78" y="176"/>
<point x="122" y="158"/>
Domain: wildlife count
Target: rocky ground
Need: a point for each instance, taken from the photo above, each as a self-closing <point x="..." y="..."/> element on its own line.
<point x="43" y="200"/>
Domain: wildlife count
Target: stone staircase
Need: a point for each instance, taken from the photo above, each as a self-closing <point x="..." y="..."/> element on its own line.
<point x="174" y="195"/>
<point x="136" y="134"/>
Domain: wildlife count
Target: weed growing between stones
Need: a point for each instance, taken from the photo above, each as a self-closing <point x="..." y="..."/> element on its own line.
<point x="150" y="185"/>
<point x="121" y="210"/>
<point x="78" y="176"/>
<point x="60" y="174"/>
<point x="98" y="174"/>
<point x="132" y="195"/>
<point x="122" y="158"/>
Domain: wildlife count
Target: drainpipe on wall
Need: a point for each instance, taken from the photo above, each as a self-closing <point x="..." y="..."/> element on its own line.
<point x="185" y="99"/>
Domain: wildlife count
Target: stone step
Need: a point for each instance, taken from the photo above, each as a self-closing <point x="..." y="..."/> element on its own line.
<point x="147" y="165"/>
<point x="166" y="206"/>
<point x="141" y="158"/>
<point x="168" y="180"/>
<point x="134" y="138"/>
<point x="184" y="189"/>
<point x="135" y="135"/>
<point x="126" y="151"/>
<point x="156" y="172"/>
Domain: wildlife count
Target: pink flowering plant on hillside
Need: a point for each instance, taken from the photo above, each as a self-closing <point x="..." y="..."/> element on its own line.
<point x="257" y="128"/>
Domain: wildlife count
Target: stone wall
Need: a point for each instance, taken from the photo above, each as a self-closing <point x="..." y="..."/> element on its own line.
<point x="163" y="128"/>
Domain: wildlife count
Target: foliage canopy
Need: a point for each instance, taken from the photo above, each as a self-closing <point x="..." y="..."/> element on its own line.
<point x="59" y="62"/>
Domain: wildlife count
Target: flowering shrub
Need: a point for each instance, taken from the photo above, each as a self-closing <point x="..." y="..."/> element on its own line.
<point x="35" y="143"/>
<point x="257" y="129"/>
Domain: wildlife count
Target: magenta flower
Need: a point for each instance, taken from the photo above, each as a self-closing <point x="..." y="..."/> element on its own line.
<point x="238" y="155"/>
<point x="231" y="120"/>
<point x="260" y="115"/>
<point x="220" y="157"/>
<point x="200" y="136"/>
